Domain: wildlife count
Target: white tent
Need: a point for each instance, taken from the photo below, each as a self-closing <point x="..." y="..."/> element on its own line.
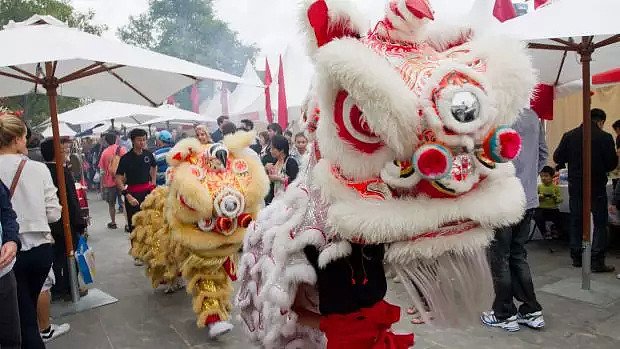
<point x="65" y="131"/>
<point x="171" y="114"/>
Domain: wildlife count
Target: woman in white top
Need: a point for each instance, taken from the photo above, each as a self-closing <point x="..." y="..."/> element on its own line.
<point x="36" y="204"/>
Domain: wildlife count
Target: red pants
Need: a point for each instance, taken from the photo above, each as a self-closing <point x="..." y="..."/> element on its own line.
<point x="368" y="328"/>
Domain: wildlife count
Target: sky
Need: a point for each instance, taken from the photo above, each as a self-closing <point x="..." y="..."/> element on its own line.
<point x="271" y="25"/>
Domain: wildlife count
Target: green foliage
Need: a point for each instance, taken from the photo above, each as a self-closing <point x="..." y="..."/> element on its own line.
<point x="189" y="30"/>
<point x="35" y="106"/>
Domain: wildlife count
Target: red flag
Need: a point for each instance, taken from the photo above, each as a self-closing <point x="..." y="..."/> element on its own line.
<point x="282" y="108"/>
<point x="268" y="81"/>
<point x="542" y="101"/>
<point x="538" y="3"/>
<point x="503" y="10"/>
<point x="195" y="99"/>
<point x="224" y="99"/>
<point x="171" y="100"/>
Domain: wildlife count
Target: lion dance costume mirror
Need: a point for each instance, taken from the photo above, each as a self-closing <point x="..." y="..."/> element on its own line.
<point x="410" y="169"/>
<point x="194" y="226"/>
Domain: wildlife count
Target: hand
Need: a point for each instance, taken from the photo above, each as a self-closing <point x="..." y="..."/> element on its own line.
<point x="275" y="178"/>
<point x="132" y="201"/>
<point x="7" y="253"/>
<point x="269" y="168"/>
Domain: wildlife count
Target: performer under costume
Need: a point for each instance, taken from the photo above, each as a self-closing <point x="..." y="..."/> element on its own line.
<point x="195" y="225"/>
<point x="410" y="166"/>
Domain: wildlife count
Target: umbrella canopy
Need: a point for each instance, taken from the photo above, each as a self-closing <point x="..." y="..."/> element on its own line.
<point x="63" y="128"/>
<point x="171" y="114"/>
<point x="125" y="113"/>
<point x="90" y="66"/>
<point x="568" y="21"/>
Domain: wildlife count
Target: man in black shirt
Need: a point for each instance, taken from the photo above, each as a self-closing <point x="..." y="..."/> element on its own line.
<point x="136" y="174"/>
<point x="604" y="160"/>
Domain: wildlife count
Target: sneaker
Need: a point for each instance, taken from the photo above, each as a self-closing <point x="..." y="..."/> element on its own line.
<point x="54" y="331"/>
<point x="219" y="328"/>
<point x="510" y="324"/>
<point x="176" y="285"/>
<point x="532" y="320"/>
<point x="618" y="276"/>
<point x="137" y="262"/>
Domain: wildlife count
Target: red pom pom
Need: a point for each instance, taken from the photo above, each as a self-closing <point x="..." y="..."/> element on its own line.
<point x="223" y="224"/>
<point x="432" y="161"/>
<point x="510" y="143"/>
<point x="244" y="220"/>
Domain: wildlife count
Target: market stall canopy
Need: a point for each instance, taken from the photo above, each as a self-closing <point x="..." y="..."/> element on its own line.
<point x="567" y="21"/>
<point x="123" y="113"/>
<point x="65" y="131"/>
<point x="90" y="66"/>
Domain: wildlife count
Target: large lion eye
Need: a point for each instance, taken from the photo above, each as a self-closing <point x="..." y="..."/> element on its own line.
<point x="229" y="203"/>
<point x="465" y="107"/>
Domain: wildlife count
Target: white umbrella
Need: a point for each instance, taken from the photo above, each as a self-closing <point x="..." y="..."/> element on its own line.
<point x="63" y="128"/>
<point x="169" y="114"/>
<point x="571" y="39"/>
<point x="125" y="113"/>
<point x="44" y="54"/>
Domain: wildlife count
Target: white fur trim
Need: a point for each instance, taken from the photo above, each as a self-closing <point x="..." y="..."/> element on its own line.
<point x="405" y="252"/>
<point x="494" y="203"/>
<point x="334" y="251"/>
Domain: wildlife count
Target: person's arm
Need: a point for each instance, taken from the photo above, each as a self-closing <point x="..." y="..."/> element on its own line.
<point x="543" y="151"/>
<point x="610" y="157"/>
<point x="560" y="156"/>
<point x="10" y="228"/>
<point x="292" y="169"/>
<point x="53" y="210"/>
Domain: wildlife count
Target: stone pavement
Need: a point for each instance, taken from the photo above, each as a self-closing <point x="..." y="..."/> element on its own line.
<point x="146" y="318"/>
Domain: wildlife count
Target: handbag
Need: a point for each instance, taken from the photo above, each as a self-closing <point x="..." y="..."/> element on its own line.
<point x="86" y="261"/>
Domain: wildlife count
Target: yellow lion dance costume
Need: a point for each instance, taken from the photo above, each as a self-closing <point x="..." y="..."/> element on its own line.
<point x="195" y="225"/>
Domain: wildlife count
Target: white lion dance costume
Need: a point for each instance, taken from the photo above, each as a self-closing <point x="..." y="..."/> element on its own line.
<point x="410" y="167"/>
<point x="195" y="225"/>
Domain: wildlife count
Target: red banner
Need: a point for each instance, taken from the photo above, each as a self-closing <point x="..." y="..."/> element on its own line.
<point x="282" y="107"/>
<point x="503" y="10"/>
<point x="268" y="81"/>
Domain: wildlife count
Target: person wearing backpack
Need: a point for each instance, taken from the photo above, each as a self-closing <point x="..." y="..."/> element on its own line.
<point x="36" y="205"/>
<point x="108" y="164"/>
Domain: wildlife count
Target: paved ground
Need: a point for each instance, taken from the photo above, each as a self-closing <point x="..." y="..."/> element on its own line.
<point x="144" y="318"/>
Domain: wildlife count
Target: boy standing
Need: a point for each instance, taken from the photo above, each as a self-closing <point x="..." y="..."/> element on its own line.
<point x="549" y="198"/>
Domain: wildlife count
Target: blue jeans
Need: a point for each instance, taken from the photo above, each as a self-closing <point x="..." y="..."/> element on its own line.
<point x="511" y="272"/>
<point x="600" y="217"/>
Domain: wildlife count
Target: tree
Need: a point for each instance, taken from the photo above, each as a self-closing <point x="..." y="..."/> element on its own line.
<point x="35" y="106"/>
<point x="189" y="30"/>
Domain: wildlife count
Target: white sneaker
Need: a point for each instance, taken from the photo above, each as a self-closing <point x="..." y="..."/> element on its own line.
<point x="54" y="332"/>
<point x="510" y="324"/>
<point x="618" y="276"/>
<point x="533" y="320"/>
<point x="219" y="328"/>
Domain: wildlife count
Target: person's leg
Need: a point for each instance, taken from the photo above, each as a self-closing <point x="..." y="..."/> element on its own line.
<point x="10" y="333"/>
<point x="31" y="269"/>
<point x="503" y="306"/>
<point x="541" y="221"/>
<point x="43" y="310"/>
<point x="62" y="286"/>
<point x="110" y="197"/>
<point x="600" y="216"/>
<point x="522" y="285"/>
<point x="575" y="235"/>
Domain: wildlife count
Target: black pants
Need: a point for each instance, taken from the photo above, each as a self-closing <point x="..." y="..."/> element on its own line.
<point x="10" y="335"/>
<point x="511" y="272"/>
<point x="31" y="269"/>
<point x="544" y="215"/>
<point x="132" y="210"/>
<point x="600" y="217"/>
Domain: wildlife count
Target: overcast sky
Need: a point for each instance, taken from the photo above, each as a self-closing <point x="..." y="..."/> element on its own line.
<point x="269" y="24"/>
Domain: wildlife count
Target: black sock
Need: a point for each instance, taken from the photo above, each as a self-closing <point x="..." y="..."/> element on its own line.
<point x="47" y="330"/>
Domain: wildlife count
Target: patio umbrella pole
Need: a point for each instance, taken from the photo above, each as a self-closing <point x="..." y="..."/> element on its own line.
<point x="585" y="50"/>
<point x="51" y="85"/>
